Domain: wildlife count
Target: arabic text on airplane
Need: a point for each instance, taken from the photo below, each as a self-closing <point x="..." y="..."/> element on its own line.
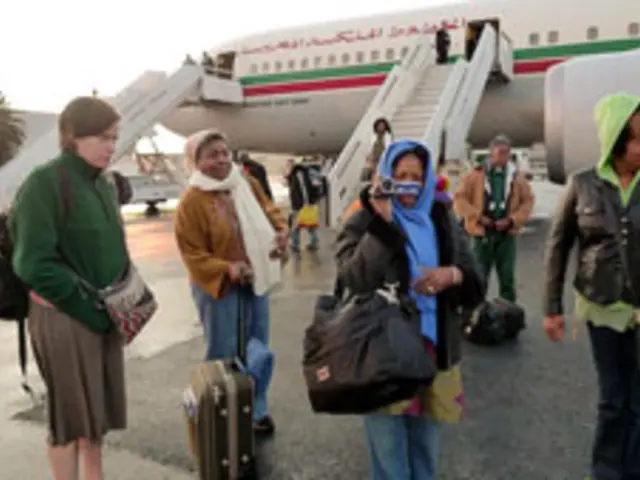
<point x="351" y="36"/>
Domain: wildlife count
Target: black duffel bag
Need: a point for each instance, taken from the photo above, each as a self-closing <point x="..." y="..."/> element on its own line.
<point x="364" y="354"/>
<point x="494" y="322"/>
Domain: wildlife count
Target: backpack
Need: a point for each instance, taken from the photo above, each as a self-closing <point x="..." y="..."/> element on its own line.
<point x="494" y="322"/>
<point x="14" y="294"/>
<point x="14" y="298"/>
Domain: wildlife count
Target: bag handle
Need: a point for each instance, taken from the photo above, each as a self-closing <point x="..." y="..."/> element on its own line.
<point x="241" y="333"/>
<point x="389" y="291"/>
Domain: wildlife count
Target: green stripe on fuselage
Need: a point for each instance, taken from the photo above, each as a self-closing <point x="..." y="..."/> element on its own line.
<point x="300" y="76"/>
<point x="577" y="49"/>
<point x="526" y="54"/>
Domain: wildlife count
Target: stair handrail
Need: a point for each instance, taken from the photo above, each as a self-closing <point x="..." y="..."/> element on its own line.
<point x="137" y="107"/>
<point x="437" y="123"/>
<point x="470" y="93"/>
<point x="396" y="88"/>
<point x="189" y="74"/>
<point x="505" y="56"/>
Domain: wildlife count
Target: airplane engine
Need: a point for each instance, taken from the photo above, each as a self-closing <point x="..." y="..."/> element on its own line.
<point x="571" y="92"/>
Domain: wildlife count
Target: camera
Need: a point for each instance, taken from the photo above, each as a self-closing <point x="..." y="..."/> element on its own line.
<point x="388" y="187"/>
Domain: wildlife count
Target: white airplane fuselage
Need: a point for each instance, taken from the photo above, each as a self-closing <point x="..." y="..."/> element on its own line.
<point x="306" y="88"/>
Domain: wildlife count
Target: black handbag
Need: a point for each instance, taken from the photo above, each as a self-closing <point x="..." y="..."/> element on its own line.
<point x="364" y="353"/>
<point x="493" y="322"/>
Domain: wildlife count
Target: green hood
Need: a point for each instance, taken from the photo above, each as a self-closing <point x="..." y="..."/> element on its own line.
<point x="611" y="115"/>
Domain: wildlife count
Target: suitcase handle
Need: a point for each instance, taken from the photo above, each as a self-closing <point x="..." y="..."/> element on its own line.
<point x="241" y="347"/>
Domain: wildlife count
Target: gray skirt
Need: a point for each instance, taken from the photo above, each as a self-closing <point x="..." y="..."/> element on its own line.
<point x="83" y="372"/>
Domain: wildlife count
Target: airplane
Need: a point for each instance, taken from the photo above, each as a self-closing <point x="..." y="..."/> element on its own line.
<point x="305" y="88"/>
<point x="572" y="89"/>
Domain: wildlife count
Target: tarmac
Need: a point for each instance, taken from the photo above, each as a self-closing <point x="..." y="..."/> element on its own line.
<point x="530" y="405"/>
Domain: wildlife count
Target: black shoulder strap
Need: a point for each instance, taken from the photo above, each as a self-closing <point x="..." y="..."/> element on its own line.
<point x="23" y="357"/>
<point x="65" y="189"/>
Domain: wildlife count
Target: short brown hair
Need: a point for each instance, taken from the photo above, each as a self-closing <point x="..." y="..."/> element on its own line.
<point x="84" y="117"/>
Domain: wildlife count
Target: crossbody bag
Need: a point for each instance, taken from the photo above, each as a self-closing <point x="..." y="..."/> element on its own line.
<point x="129" y="301"/>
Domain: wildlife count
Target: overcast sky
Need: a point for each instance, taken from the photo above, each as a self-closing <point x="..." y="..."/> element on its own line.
<point x="54" y="50"/>
<point x="51" y="51"/>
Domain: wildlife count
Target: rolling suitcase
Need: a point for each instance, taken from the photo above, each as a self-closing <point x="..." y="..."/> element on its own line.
<point x="219" y="410"/>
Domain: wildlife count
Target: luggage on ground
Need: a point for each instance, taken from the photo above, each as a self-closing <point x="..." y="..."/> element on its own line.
<point x="494" y="322"/>
<point x="219" y="411"/>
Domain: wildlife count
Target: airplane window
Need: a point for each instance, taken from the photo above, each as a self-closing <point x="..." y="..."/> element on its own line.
<point x="404" y="51"/>
<point x="265" y="67"/>
<point x="390" y="54"/>
<point x="553" y="36"/>
<point x="331" y="60"/>
<point x="254" y="68"/>
<point x="592" y="33"/>
<point x="360" y="57"/>
<point x="345" y="59"/>
<point x="317" y="61"/>
<point x="278" y="66"/>
<point x="304" y="63"/>
<point x="534" y="39"/>
<point x="375" y="56"/>
<point x="634" y="29"/>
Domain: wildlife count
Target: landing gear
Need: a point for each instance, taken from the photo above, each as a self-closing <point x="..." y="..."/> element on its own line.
<point x="152" y="210"/>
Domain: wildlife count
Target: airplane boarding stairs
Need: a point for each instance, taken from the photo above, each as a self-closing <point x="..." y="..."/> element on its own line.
<point x="142" y="104"/>
<point x="411" y="118"/>
<point x="431" y="103"/>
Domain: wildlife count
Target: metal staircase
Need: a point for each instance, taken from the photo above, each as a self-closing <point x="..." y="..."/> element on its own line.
<point x="425" y="102"/>
<point x="142" y="104"/>
<point x="411" y="118"/>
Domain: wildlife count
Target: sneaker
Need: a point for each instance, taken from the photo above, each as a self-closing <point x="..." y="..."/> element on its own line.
<point x="264" y="426"/>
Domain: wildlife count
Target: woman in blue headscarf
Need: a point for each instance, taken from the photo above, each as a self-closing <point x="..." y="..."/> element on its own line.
<point x="405" y="235"/>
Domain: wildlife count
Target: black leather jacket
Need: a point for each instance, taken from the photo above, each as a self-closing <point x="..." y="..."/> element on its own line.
<point x="608" y="236"/>
<point x="371" y="252"/>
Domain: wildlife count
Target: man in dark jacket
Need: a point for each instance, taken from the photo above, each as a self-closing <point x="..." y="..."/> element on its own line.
<point x="600" y="212"/>
<point x="443" y="43"/>
<point x="257" y="171"/>
<point x="301" y="193"/>
<point x="123" y="187"/>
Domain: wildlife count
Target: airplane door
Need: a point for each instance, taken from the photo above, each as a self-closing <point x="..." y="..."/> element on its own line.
<point x="225" y="63"/>
<point x="474" y="31"/>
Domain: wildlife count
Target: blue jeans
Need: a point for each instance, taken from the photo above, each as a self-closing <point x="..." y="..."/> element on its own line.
<point x="616" y="449"/>
<point x="220" y="323"/>
<point x="402" y="447"/>
<point x="314" y="240"/>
